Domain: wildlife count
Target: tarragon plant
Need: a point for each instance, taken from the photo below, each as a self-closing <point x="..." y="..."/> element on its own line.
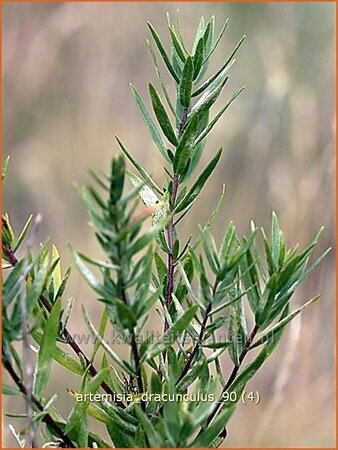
<point x="172" y="389"/>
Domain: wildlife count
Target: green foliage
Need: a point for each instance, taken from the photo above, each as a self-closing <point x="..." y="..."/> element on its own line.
<point x="47" y="350"/>
<point x="193" y="289"/>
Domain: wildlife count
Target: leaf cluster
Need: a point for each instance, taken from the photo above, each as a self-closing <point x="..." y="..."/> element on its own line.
<point x="209" y="299"/>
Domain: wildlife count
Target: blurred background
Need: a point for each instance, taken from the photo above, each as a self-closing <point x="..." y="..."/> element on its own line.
<point x="66" y="74"/>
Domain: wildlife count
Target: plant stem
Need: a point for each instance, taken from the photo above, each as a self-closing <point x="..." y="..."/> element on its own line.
<point x="66" y="334"/>
<point x="195" y="350"/>
<point x="200" y="337"/>
<point x="10" y="255"/>
<point x="28" y="367"/>
<point x="171" y="229"/>
<point x="240" y="359"/>
<point x="137" y="361"/>
<point x="134" y="347"/>
<point x="183" y="120"/>
<point x="135" y="352"/>
<point x="67" y="443"/>
<point x="235" y="369"/>
<point x="171" y="268"/>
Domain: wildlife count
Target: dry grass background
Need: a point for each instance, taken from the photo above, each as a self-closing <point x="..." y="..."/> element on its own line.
<point x="66" y="71"/>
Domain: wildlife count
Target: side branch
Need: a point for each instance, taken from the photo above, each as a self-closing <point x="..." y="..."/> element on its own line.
<point x="66" y="334"/>
<point x="66" y="442"/>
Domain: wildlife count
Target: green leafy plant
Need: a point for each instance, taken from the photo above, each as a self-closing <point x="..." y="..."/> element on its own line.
<point x="172" y="390"/>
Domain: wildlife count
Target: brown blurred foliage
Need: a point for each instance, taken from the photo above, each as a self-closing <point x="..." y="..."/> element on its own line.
<point x="66" y="70"/>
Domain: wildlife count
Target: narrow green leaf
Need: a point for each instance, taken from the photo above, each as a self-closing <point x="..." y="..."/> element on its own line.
<point x="269" y="259"/>
<point x="144" y="174"/>
<point x="208" y="38"/>
<point x="215" y="80"/>
<point x="97" y="413"/>
<point x="190" y="289"/>
<point x="193" y="329"/>
<point x="237" y="326"/>
<point x="217" y="41"/>
<point x="77" y="421"/>
<point x="209" y="247"/>
<point x="229" y="62"/>
<point x="299" y="275"/>
<point x="102" y="329"/>
<point x="156" y="384"/>
<point x="178" y="23"/>
<point x="198" y="148"/>
<point x="56" y="275"/>
<point x="198" y="58"/>
<point x="155" y="135"/>
<point x="224" y="69"/>
<point x="63" y="284"/>
<point x="185" y="146"/>
<point x="218" y="116"/>
<point x="267" y="300"/>
<point x="275" y="238"/>
<point x="113" y="379"/>
<point x="146" y="238"/>
<point x="177" y="44"/>
<point x="5" y="165"/>
<point x="207" y="437"/>
<point x="192" y="375"/>
<point x="10" y="390"/>
<point x="120" y="438"/>
<point x="61" y="357"/>
<point x="257" y="256"/>
<point x="228" y="241"/>
<point x="8" y="237"/>
<point x="12" y="284"/>
<point x="103" y="343"/>
<point x="122" y="419"/>
<point x="161" y="267"/>
<point x="37" y="286"/>
<point x="250" y="280"/>
<point x="281" y="324"/>
<point x="199" y="34"/>
<point x="199" y="183"/>
<point x="162" y="116"/>
<point x="208" y="98"/>
<point x="251" y="369"/>
<point x="116" y="188"/>
<point x="186" y="83"/>
<point x="171" y="419"/>
<point x="88" y="275"/>
<point x="172" y="334"/>
<point x="162" y="51"/>
<point x="100" y="181"/>
<point x="47" y="349"/>
<point x="145" y="306"/>
<point x="226" y="304"/>
<point x="147" y="195"/>
<point x="98" y="262"/>
<point x="16" y="415"/>
<point x="216" y="345"/>
<point x="95" y="439"/>
<point x="117" y="173"/>
<point x="125" y="315"/>
<point x="311" y="268"/>
<point x="177" y="64"/>
<point x="153" y="436"/>
<point x="160" y="78"/>
<point x="22" y="234"/>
